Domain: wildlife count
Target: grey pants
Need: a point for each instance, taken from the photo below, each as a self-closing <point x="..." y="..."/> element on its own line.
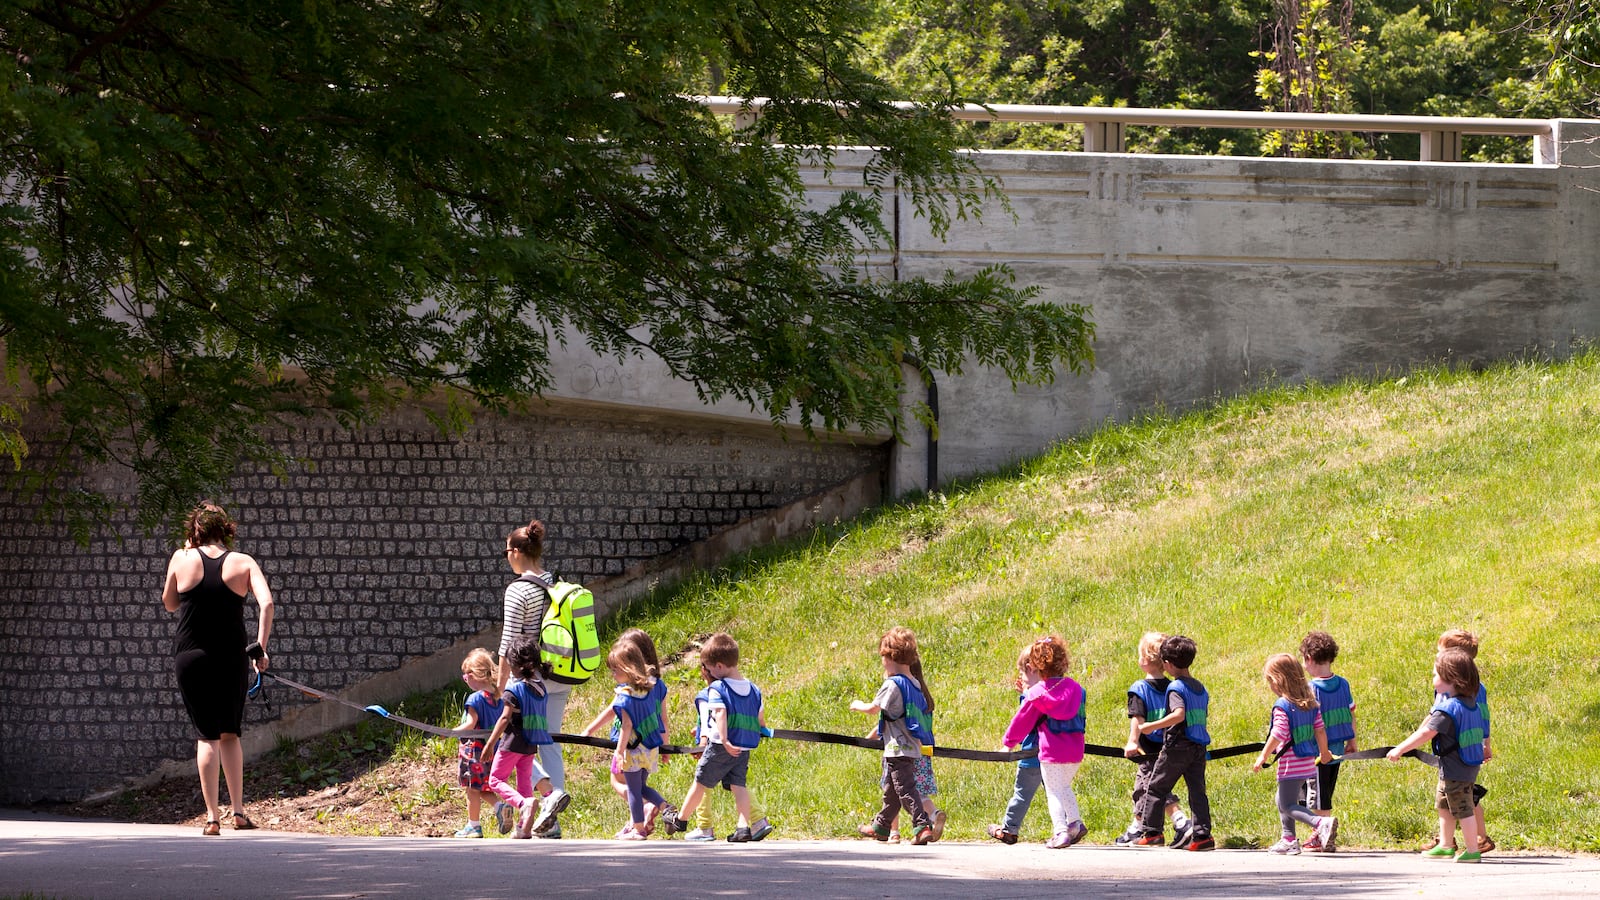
<point x="1290" y="809"/>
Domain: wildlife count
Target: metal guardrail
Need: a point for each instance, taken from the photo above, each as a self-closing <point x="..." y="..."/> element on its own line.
<point x="1104" y="127"/>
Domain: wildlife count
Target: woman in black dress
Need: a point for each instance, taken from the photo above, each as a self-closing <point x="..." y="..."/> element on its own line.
<point x="207" y="585"/>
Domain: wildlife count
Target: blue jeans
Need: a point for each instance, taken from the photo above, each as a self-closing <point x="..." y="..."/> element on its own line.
<point x="1028" y="780"/>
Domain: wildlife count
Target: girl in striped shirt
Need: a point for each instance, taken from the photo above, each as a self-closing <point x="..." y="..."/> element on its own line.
<point x="1296" y="729"/>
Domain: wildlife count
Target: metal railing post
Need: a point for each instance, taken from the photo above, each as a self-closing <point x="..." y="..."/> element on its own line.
<point x="1441" y="146"/>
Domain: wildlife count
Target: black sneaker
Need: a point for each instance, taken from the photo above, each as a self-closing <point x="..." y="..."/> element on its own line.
<point x="1129" y="837"/>
<point x="674" y="825"/>
<point x="740" y="836"/>
<point x="1181" y="836"/>
<point x="1200" y="842"/>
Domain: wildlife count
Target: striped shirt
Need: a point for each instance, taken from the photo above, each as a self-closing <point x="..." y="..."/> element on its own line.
<point x="1291" y="767"/>
<point x="525" y="609"/>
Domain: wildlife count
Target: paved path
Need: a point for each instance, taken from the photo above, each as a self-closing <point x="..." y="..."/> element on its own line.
<point x="75" y="858"/>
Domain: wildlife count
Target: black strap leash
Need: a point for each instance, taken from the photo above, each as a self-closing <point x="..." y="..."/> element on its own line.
<point x="785" y="734"/>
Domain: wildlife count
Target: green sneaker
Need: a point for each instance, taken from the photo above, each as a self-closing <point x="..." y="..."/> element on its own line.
<point x="1469" y="856"/>
<point x="1440" y="852"/>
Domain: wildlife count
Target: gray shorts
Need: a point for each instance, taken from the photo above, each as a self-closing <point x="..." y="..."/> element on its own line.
<point x="718" y="766"/>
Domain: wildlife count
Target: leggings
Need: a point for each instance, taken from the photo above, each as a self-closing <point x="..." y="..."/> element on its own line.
<point x="1058" y="792"/>
<point x="1290" y="810"/>
<point x="529" y="774"/>
<point x="639" y="793"/>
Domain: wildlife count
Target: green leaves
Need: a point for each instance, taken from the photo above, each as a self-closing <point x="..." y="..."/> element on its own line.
<point x="223" y="217"/>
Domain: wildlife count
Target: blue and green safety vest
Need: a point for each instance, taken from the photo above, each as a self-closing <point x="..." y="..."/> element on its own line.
<point x="1155" y="706"/>
<point x="1470" y="729"/>
<point x="1302" y="727"/>
<point x="531" y="721"/>
<point x="1194" y="706"/>
<point x="645" y="714"/>
<point x="1333" y="693"/>
<point x="919" y="721"/>
<point x="743" y="712"/>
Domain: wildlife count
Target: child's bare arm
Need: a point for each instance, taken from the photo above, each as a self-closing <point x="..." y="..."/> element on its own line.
<point x="864" y="706"/>
<point x="1131" y="749"/>
<point x="494" y="736"/>
<point x="1170" y="719"/>
<point x="1350" y="745"/>
<point x="1267" y="752"/>
<point x="469" y="721"/>
<point x="1417" y="739"/>
<point x="1323" y="756"/>
<point x="719" y="724"/>
<point x="624" y="737"/>
<point x="594" y="727"/>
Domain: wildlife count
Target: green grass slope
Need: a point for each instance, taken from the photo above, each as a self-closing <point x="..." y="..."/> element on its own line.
<point x="1384" y="513"/>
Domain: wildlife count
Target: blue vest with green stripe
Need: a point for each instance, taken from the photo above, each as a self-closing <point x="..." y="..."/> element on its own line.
<point x="1074" y="725"/>
<point x="1483" y="707"/>
<point x="1333" y="694"/>
<point x="1470" y="729"/>
<point x="743" y="712"/>
<point x="1194" y="706"/>
<point x="1302" y="727"/>
<point x="919" y="720"/>
<point x="1155" y="706"/>
<point x="645" y="714"/>
<point x="531" y="721"/>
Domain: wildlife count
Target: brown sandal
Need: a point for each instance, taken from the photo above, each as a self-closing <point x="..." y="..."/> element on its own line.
<point x="212" y="829"/>
<point x="241" y="822"/>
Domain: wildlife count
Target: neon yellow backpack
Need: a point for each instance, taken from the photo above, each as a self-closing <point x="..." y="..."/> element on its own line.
<point x="568" y="639"/>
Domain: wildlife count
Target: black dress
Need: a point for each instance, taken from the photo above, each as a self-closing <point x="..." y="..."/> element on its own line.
<point x="208" y="652"/>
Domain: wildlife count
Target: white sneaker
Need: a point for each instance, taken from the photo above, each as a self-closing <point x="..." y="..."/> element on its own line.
<point x="553" y="803"/>
<point x="1285" y="847"/>
<point x="701" y="834"/>
<point x="1327" y="831"/>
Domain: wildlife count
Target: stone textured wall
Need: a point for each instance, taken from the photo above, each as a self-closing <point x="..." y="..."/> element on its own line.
<point x="387" y="545"/>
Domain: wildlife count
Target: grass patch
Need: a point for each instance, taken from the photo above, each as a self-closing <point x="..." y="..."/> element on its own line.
<point x="1383" y="512"/>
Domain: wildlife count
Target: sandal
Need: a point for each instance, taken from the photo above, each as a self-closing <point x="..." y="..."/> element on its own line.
<point x="241" y="822"/>
<point x="212" y="829"/>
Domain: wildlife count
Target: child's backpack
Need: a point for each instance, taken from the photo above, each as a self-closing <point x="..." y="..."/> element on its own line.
<point x="568" y="640"/>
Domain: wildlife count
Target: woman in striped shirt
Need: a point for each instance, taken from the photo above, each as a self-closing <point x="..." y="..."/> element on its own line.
<point x="527" y="598"/>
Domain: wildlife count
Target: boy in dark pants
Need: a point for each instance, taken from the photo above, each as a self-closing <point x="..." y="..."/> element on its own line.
<point x="1183" y="754"/>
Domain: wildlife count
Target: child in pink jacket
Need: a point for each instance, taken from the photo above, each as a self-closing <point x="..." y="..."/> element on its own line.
<point x="1054" y="706"/>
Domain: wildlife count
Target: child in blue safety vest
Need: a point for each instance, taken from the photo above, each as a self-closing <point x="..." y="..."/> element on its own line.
<point x="1456" y="726"/>
<point x="734" y="720"/>
<point x="608" y="718"/>
<point x="1183" y="750"/>
<point x="480" y="710"/>
<point x="1318" y="650"/>
<point x="1466" y="640"/>
<point x="905" y="723"/>
<point x="1028" y="778"/>
<point x="641" y="712"/>
<point x="525" y="729"/>
<point x="1295" y="727"/>
<point x="1147" y="701"/>
<point x="1053" y="709"/>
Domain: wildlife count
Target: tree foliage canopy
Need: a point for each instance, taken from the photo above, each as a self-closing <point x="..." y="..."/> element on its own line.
<point x="223" y="215"/>
<point x="1535" y="58"/>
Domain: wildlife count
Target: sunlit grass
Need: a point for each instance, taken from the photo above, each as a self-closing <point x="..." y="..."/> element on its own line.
<point x="1383" y="512"/>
